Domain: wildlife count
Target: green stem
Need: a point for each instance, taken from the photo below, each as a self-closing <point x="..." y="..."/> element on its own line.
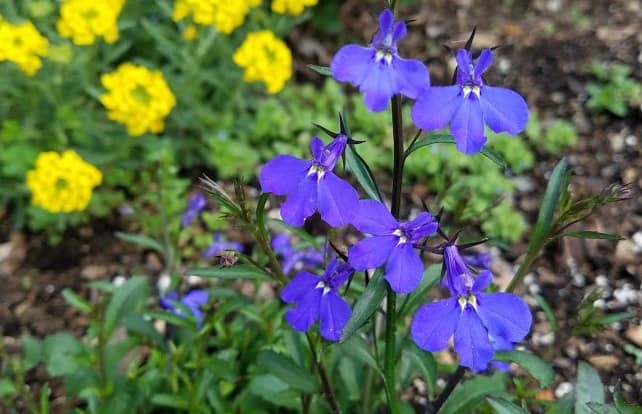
<point x="325" y="379"/>
<point x="524" y="267"/>
<point x="391" y="301"/>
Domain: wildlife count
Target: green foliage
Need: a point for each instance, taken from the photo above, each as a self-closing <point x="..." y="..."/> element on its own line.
<point x="613" y="90"/>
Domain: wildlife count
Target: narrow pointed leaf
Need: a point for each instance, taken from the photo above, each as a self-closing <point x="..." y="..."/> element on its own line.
<point x="323" y="70"/>
<point x="366" y="305"/>
<point x="141" y="240"/>
<point x="592" y="235"/>
<point x="589" y="388"/>
<point x="549" y="204"/>
<point x="502" y="406"/>
<point x="470" y="394"/>
<point x="230" y="272"/>
<point x="127" y="299"/>
<point x="534" y="365"/>
<point x="288" y="371"/>
<point x="362" y="173"/>
<point x="448" y="139"/>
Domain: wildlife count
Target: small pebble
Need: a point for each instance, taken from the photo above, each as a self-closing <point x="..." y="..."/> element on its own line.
<point x="602" y="281"/>
<point x="563" y="389"/>
<point x="119" y="280"/>
<point x="163" y="282"/>
<point x="626" y="294"/>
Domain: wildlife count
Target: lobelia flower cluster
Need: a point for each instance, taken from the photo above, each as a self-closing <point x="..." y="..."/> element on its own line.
<point x="480" y="323"/>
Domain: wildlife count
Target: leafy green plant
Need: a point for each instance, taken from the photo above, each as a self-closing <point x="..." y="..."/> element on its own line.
<point x="614" y="90"/>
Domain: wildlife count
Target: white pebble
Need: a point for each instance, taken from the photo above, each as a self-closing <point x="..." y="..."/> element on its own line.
<point x="602" y="281"/>
<point x="163" y="283"/>
<point x="626" y="294"/>
<point x="119" y="280"/>
<point x="563" y="389"/>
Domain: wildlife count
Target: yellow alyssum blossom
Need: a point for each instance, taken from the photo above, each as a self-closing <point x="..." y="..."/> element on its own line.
<point x="292" y="7"/>
<point x="85" y="20"/>
<point x="23" y="45"/>
<point x="137" y="97"/>
<point x="62" y="183"/>
<point x="225" y="15"/>
<point x="265" y="58"/>
<point x="189" y="33"/>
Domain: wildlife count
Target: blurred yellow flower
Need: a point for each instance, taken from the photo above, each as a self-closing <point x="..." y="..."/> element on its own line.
<point x="84" y="20"/>
<point x="137" y="97"/>
<point x="62" y="183"/>
<point x="265" y="58"/>
<point x="23" y="45"/>
<point x="189" y="33"/>
<point x="293" y="7"/>
<point x="225" y="15"/>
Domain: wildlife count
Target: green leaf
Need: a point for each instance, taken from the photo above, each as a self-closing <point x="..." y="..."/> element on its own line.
<point x="589" y="388"/>
<point x="32" y="351"/>
<point x="274" y="390"/>
<point x="7" y="388"/>
<point x="285" y="369"/>
<point x="366" y="305"/>
<point x="260" y="215"/>
<point x="425" y="362"/>
<point x="125" y="300"/>
<point x="230" y="272"/>
<point x="74" y="300"/>
<point x="563" y="405"/>
<point x="362" y="173"/>
<point x="170" y="400"/>
<point x="60" y="353"/>
<point x="471" y="393"/>
<point x="171" y="318"/>
<point x="357" y="348"/>
<point x="549" y="204"/>
<point x="624" y="407"/>
<point x="592" y="235"/>
<point x="600" y="408"/>
<point x="534" y="365"/>
<point x="502" y="406"/>
<point x="141" y="240"/>
<point x="323" y="70"/>
<point x="437" y="138"/>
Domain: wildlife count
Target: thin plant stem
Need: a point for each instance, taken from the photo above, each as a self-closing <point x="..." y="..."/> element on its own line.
<point x="391" y="298"/>
<point x="450" y="386"/>
<point x="323" y="374"/>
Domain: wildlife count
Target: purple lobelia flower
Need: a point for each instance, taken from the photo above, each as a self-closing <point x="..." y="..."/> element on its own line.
<point x="295" y="259"/>
<point x="470" y="104"/>
<point x="480" y="322"/>
<point x="311" y="185"/>
<point x="318" y="298"/>
<point x="479" y="260"/>
<point x="192" y="301"/>
<point x="195" y="205"/>
<point x="392" y="243"/>
<point x="219" y="245"/>
<point x="378" y="70"/>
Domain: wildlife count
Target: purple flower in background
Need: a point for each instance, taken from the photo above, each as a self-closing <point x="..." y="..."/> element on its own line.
<point x="318" y="298"/>
<point x="219" y="245"/>
<point x="192" y="301"/>
<point x="391" y="243"/>
<point x="195" y="205"/>
<point x="295" y="259"/>
<point x="311" y="185"/>
<point x="480" y="322"/>
<point x="479" y="260"/>
<point x="470" y="104"/>
<point x="378" y="70"/>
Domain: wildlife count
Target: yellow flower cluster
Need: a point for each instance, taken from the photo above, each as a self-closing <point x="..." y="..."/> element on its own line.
<point x="137" y="97"/>
<point x="62" y="183"/>
<point x="265" y="58"/>
<point x="84" y="20"/>
<point x="23" y="45"/>
<point x="225" y="15"/>
<point x="292" y="7"/>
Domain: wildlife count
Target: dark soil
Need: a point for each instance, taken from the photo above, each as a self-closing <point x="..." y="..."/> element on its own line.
<point x="547" y="47"/>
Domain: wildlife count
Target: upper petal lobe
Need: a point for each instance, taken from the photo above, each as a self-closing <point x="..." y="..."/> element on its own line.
<point x="282" y="174"/>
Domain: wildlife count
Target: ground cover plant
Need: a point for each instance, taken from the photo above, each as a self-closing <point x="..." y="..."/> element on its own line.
<point x="335" y="247"/>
